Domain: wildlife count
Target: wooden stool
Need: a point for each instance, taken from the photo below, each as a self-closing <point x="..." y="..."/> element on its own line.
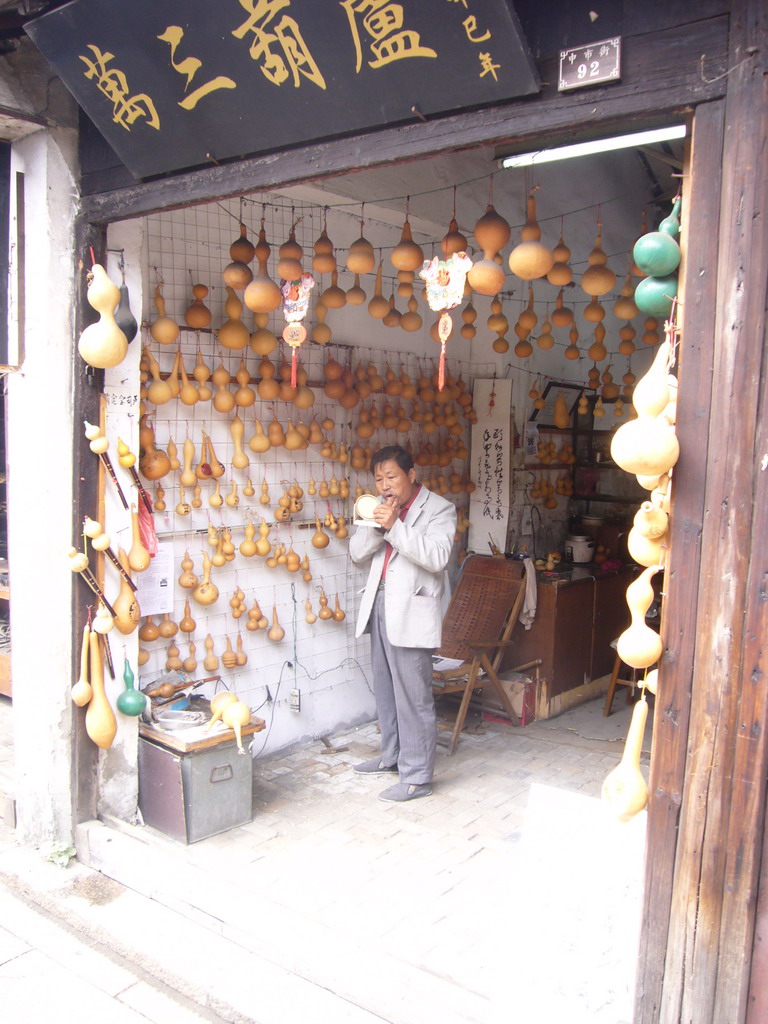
<point x="615" y="681"/>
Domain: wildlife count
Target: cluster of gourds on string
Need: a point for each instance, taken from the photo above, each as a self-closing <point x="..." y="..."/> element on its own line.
<point x="123" y="614"/>
<point x="648" y="447"/>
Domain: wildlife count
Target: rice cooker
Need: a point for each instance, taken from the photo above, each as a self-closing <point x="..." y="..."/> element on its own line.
<point x="579" y="549"/>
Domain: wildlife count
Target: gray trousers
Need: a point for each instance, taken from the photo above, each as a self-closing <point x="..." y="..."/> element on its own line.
<point x="402" y="684"/>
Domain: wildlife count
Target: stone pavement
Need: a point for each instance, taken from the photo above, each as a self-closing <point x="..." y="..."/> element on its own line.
<point x="507" y="895"/>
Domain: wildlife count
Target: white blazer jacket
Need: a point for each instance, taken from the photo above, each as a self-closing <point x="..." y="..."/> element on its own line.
<point x="415" y="581"/>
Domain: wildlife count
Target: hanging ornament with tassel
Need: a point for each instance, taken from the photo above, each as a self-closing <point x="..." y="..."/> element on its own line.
<point x="445" y="289"/>
<point x="295" y="303"/>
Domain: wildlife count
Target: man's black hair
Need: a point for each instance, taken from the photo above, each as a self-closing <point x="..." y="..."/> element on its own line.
<point x="393" y="453"/>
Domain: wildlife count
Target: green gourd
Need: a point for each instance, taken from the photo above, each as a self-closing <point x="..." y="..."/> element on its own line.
<point x="130" y="701"/>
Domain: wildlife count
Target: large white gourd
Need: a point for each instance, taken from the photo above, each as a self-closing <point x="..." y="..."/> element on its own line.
<point x="102" y="344"/>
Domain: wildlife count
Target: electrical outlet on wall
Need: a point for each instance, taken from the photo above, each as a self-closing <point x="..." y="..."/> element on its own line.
<point x="295" y="700"/>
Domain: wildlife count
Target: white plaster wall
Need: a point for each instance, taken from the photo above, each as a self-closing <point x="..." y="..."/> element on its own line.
<point x="40" y="424"/>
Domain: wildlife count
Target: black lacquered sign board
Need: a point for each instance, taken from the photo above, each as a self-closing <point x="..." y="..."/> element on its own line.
<point x="176" y="83"/>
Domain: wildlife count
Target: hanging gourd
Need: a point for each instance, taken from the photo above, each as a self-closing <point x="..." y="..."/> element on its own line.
<point x="100" y="721"/>
<point x="210" y="661"/>
<point x="319" y="538"/>
<point x="124" y="318"/>
<point x="201" y="374"/>
<point x="131" y="701"/>
<point x="407" y="255"/>
<point x="338" y="613"/>
<point x="197" y="315"/>
<point x="163" y="329"/>
<point x="334" y="297"/>
<point x="598" y="279"/>
<point x="82" y="692"/>
<point x="445" y="281"/>
<point x="531" y="259"/>
<point x="295" y="301"/>
<point x="356" y="295"/>
<point x="624" y="308"/>
<point x="572" y="350"/>
<point x="228" y="658"/>
<point x="657" y="253"/>
<point x="240" y="459"/>
<point x="560" y="273"/>
<point x="238" y="274"/>
<point x="325" y="612"/>
<point x="324" y="261"/>
<point x="492" y="233"/>
<point x="154" y="463"/>
<point x="126" y="605"/>
<point x="276" y="631"/>
<point x="290" y="256"/>
<point x="206" y="592"/>
<point x="233" y="334"/>
<point x="262" y="295"/>
<point x="639" y="646"/>
<point x="263" y="341"/>
<point x="102" y="344"/>
<point x="625" y="790"/>
<point x="360" y="255"/>
<point x="562" y="316"/>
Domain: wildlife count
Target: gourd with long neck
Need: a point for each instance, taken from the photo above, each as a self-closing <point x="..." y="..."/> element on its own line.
<point x="131" y="701"/>
<point x="239" y="459"/>
<point x="82" y="691"/>
<point x="206" y="592"/>
<point x="164" y="330"/>
<point x="100" y="721"/>
<point x="624" y="789"/>
<point x="126" y="606"/>
<point x="138" y="556"/>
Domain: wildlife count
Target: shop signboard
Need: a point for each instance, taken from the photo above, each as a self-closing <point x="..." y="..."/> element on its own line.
<point x="180" y="83"/>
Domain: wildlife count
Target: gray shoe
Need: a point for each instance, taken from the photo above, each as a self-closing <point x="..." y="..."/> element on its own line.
<point x="402" y="791"/>
<point x="375" y="767"/>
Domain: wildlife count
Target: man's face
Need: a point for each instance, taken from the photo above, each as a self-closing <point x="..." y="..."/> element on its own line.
<point x="393" y="482"/>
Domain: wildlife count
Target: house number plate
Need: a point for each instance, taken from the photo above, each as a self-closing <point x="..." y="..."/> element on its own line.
<point x="590" y="65"/>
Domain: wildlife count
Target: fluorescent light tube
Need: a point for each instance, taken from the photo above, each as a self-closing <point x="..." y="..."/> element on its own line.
<point x="544" y="156"/>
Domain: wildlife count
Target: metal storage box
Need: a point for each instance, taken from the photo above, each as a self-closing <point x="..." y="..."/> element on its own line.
<point x="196" y="794"/>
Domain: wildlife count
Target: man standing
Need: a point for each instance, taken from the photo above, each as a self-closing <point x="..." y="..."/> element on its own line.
<point x="402" y="608"/>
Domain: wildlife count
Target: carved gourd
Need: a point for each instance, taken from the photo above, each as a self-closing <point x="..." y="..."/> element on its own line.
<point x="163" y="330"/>
<point x="228" y="658"/>
<point x="126" y="605"/>
<point x="100" y="721"/>
<point x="154" y="463"/>
<point x="624" y="789"/>
<point x="82" y="692"/>
<point x="639" y="646"/>
<point x="102" y="344"/>
<point x="206" y="592"/>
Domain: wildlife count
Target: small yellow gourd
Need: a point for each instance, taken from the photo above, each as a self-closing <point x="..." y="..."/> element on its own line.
<point x="206" y="592"/>
<point x="164" y="330"/>
<point x="276" y="631"/>
<point x="126" y="605"/>
<point x="236" y="715"/>
<point x="82" y="692"/>
<point x="138" y="556"/>
<point x="219" y="701"/>
<point x="624" y="789"/>
<point x="187" y="579"/>
<point x="639" y="646"/>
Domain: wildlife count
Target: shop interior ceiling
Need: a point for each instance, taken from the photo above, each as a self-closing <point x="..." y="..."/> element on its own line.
<point x="621" y="190"/>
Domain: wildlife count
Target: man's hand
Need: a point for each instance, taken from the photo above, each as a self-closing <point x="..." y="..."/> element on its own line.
<point x="385" y="514"/>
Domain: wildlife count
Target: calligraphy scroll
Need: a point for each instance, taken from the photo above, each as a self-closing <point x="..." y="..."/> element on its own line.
<point x="490" y="465"/>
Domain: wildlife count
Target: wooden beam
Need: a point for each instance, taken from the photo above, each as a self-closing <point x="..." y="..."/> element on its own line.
<point x="698" y="276"/>
<point x="665" y="73"/>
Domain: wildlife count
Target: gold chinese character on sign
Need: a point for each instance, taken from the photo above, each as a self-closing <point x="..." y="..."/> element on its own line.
<point x="279" y="47"/>
<point x="470" y="27"/>
<point x="489" y="68"/>
<point x="114" y="85"/>
<point x="383" y="22"/>
<point x="189" y="68"/>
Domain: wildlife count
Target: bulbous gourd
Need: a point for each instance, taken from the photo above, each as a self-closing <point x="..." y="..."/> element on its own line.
<point x="378" y="307"/>
<point x="310" y="616"/>
<point x="407" y="255"/>
<point x="126" y="605"/>
<point x="124" y="318"/>
<point x="138" y="556"/>
<point x="453" y="240"/>
<point x="338" y="613"/>
<point x="233" y="334"/>
<point x="531" y="259"/>
<point x="323" y="262"/>
<point x="149" y="630"/>
<point x="237" y="715"/>
<point x="187" y="579"/>
<point x="154" y="463"/>
<point x="103" y="344"/>
<point x="187" y="624"/>
<point x="102" y="622"/>
<point x="325" y="612"/>
<point x="263" y="546"/>
<point x="206" y="592"/>
<point x="645" y="550"/>
<point x="290" y="256"/>
<point x="131" y="701"/>
<point x="164" y="330"/>
<point x="562" y="418"/>
<point x="654" y="295"/>
<point x="657" y="253"/>
<point x="190" y="662"/>
<point x="262" y="295"/>
<point x="168" y="628"/>
<point x="598" y="279"/>
<point x="650" y="521"/>
<point x="646" y="446"/>
<point x="275" y="631"/>
<point x="197" y="315"/>
<point x="624" y="789"/>
<point x="241" y="658"/>
<point x="219" y="701"/>
<point x="361" y="258"/>
<point x="319" y="538"/>
<point x="639" y="646"/>
<point x="248" y="546"/>
<point x="239" y="459"/>
<point x="82" y="692"/>
<point x="100" y="721"/>
<point x="210" y="661"/>
<point x="189" y="393"/>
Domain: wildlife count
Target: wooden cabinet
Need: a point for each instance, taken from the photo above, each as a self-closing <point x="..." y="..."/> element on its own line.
<point x="576" y="620"/>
